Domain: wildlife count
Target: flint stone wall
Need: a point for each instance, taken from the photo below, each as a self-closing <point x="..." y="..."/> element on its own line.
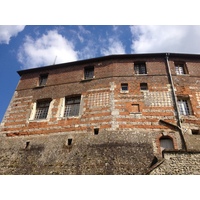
<point x="105" y="153"/>
<point x="179" y="163"/>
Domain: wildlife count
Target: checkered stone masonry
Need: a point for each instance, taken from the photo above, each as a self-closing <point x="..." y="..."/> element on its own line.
<point x="198" y="97"/>
<point x="98" y="99"/>
<point x="158" y="99"/>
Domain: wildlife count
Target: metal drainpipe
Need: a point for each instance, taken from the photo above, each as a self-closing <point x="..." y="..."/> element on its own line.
<point x="176" y="104"/>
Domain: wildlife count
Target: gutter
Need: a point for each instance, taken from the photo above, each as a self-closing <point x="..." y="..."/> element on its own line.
<point x="179" y="125"/>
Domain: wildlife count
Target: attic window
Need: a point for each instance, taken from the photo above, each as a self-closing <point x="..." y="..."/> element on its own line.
<point x="89" y="72"/>
<point x="43" y="79"/>
<point x="140" y="68"/>
<point x="180" y="68"/>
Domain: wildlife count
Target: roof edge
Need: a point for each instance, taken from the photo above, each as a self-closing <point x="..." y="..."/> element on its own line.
<point x="114" y="56"/>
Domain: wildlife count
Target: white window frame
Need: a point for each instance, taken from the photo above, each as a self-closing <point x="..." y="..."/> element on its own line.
<point x="184" y="106"/>
<point x="34" y="110"/>
<point x="180" y="68"/>
<point x="62" y="109"/>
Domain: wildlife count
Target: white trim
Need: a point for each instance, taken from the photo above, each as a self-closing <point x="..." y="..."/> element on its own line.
<point x="33" y="111"/>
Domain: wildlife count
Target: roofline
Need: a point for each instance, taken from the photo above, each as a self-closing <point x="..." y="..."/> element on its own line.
<point x="115" y="56"/>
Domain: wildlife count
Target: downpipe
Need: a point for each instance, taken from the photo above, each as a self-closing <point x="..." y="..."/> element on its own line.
<point x="179" y="125"/>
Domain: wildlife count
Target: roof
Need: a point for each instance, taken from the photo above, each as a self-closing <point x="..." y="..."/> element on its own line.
<point x="110" y="57"/>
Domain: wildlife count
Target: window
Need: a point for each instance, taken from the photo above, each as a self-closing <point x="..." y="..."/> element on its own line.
<point x="69" y="142"/>
<point x="43" y="79"/>
<point x="184" y="106"/>
<point x="180" y="68"/>
<point x="166" y="143"/>
<point x="88" y="73"/>
<point x="27" y="145"/>
<point x="143" y="86"/>
<point x="140" y="68"/>
<point x="124" y="87"/>
<point x="42" y="108"/>
<point x="72" y="106"/>
<point x="195" y="132"/>
<point x="96" y="131"/>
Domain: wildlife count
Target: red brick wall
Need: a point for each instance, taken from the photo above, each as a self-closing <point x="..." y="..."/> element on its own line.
<point x="104" y="105"/>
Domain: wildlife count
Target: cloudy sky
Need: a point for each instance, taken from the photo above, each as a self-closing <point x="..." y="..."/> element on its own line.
<point x="24" y="47"/>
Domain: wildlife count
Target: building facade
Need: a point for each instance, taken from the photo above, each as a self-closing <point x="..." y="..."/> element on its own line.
<point x="118" y="114"/>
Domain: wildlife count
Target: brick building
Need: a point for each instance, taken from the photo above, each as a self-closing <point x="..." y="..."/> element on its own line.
<point x="118" y="114"/>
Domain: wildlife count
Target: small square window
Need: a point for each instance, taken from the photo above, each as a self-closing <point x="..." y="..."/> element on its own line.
<point x="143" y="86"/>
<point x="124" y="87"/>
<point x="43" y="79"/>
<point x="180" y="68"/>
<point x="42" y="108"/>
<point x="184" y="106"/>
<point x="88" y="73"/>
<point x="140" y="68"/>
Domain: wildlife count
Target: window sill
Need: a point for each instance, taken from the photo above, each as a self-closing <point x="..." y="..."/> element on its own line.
<point x="135" y="113"/>
<point x="38" y="120"/>
<point x="187" y="117"/>
<point x="89" y="79"/>
<point x="39" y="87"/>
<point x="71" y="117"/>
<point x="182" y="75"/>
<point x="141" y="74"/>
<point x="124" y="92"/>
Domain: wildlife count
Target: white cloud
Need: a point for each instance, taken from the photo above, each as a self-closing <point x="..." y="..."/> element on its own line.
<point x="115" y="47"/>
<point x="43" y="51"/>
<point x="178" y="39"/>
<point x="6" y="32"/>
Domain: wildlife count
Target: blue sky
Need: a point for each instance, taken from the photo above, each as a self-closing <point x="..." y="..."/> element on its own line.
<point x="24" y="47"/>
